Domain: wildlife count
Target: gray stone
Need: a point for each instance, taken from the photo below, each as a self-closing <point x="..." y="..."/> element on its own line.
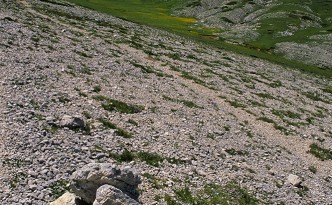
<point x="294" y="180"/>
<point x="88" y="179"/>
<point x="72" y="122"/>
<point x="109" y="195"/>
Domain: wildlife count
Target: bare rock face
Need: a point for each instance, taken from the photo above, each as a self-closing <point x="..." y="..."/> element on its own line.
<point x="72" y="122"/>
<point x="88" y="179"/>
<point x="109" y="195"/>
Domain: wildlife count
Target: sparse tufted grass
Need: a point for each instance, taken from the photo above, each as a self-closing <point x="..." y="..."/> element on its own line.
<point x="319" y="152"/>
<point x="119" y="131"/>
<point x="59" y="187"/>
<point x="119" y="106"/>
<point x="152" y="159"/>
<point x="213" y="194"/>
<point x="185" y="102"/>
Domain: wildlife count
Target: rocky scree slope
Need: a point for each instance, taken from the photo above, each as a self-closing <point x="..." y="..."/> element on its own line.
<point x="298" y="30"/>
<point x="184" y="115"/>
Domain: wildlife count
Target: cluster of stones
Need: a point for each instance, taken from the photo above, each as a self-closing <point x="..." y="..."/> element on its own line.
<point x="102" y="184"/>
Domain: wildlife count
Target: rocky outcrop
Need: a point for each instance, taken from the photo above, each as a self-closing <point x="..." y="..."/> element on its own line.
<point x="122" y="182"/>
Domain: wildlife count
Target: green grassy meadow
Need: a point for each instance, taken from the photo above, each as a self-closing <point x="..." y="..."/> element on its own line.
<point x="157" y="13"/>
<point x="153" y="13"/>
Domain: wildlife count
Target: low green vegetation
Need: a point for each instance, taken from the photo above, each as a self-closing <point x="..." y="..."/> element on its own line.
<point x="265" y="95"/>
<point x="119" y="106"/>
<point x="276" y="84"/>
<point x="148" y="69"/>
<point x="133" y="122"/>
<point x="87" y="115"/>
<point x="319" y="152"/>
<point x="313" y="169"/>
<point x="82" y="94"/>
<point x="275" y="125"/>
<point x="266" y="119"/>
<point x="233" y="151"/>
<point x="315" y="96"/>
<point x="250" y="134"/>
<point x="185" y="102"/>
<point x="327" y="90"/>
<point x="189" y="76"/>
<point x="85" y="70"/>
<point x="222" y="76"/>
<point x="119" y="131"/>
<point x="329" y="134"/>
<point x="156" y="183"/>
<point x="125" y="156"/>
<point x="51" y="128"/>
<point x="211" y="136"/>
<point x="96" y="88"/>
<point x="319" y="113"/>
<point x="14" y="162"/>
<point x="152" y="159"/>
<point x="286" y="113"/>
<point x="61" y="3"/>
<point x="170" y="201"/>
<point x="156" y="13"/>
<point x="237" y="104"/>
<point x="34" y="104"/>
<point x="64" y="99"/>
<point x="256" y="103"/>
<point x="82" y="53"/>
<point x="86" y="130"/>
<point x="227" y="128"/>
<point x="213" y="194"/>
<point x="16" y="179"/>
<point x="302" y="191"/>
<point x="281" y="128"/>
<point x="59" y="187"/>
<point x="71" y="72"/>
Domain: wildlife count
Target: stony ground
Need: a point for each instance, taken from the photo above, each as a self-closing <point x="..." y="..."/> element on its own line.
<point x="209" y="116"/>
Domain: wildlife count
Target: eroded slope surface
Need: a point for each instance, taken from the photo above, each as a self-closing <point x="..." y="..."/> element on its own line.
<point x="181" y="113"/>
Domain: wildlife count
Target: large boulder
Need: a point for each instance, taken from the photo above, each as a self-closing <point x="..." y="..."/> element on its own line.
<point x="89" y="178"/>
<point x="109" y="195"/>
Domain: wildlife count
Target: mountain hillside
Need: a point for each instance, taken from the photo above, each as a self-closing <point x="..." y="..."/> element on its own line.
<point x="297" y="29"/>
<point x="200" y="124"/>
